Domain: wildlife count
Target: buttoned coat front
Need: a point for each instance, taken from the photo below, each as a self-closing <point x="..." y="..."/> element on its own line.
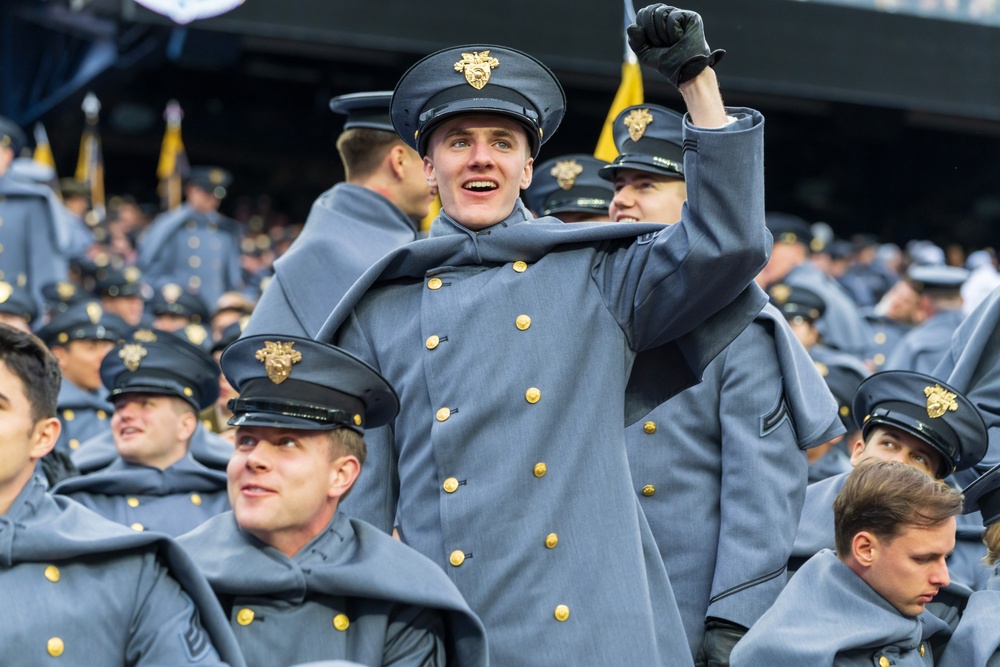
<point x="80" y="590"/>
<point x="171" y="501"/>
<point x="709" y="464"/>
<point x="511" y="349"/>
<point x="352" y="593"/>
<point x="349" y="228"/>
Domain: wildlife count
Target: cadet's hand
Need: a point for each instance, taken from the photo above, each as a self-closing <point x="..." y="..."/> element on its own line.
<point x="720" y="638"/>
<point x="673" y="41"/>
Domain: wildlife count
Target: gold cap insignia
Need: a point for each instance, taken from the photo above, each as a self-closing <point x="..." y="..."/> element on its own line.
<point x="278" y="359"/>
<point x="565" y="173"/>
<point x="144" y="335"/>
<point x="636" y="121"/>
<point x="780" y="293"/>
<point x="171" y="292"/>
<point x="65" y="290"/>
<point x="477" y="67"/>
<point x="216" y="176"/>
<point x="5" y="291"/>
<point x="939" y="401"/>
<point x="94" y="312"/>
<point x="823" y="369"/>
<point x="132" y="274"/>
<point x="132" y="354"/>
<point x="196" y="333"/>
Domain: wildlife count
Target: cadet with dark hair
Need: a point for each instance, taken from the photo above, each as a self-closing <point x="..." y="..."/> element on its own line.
<point x="500" y="400"/>
<point x="351" y="225"/>
<point x="76" y="586"/>
<point x="865" y="604"/>
<point x="302" y="564"/>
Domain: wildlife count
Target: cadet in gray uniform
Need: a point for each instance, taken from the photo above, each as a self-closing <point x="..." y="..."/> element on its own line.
<point x="708" y="463"/>
<point x="78" y="588"/>
<point x="18" y="308"/>
<point x="80" y="337"/>
<point x="908" y="418"/>
<point x="570" y="188"/>
<point x="194" y="246"/>
<point x="976" y="640"/>
<point x="479" y="328"/>
<point x="925" y="345"/>
<point x="351" y="225"/>
<point x="34" y="236"/>
<point x="866" y="603"/>
<point x="312" y="583"/>
<point x="157" y="388"/>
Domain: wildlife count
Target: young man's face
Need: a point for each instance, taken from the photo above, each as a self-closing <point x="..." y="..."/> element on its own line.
<point x="80" y="361"/>
<point x="284" y="484"/>
<point x="479" y="164"/>
<point x="891" y="444"/>
<point x="642" y="196"/>
<point x="151" y="429"/>
<point x="416" y="195"/>
<point x="20" y="440"/>
<point x="909" y="570"/>
<point x="129" y="308"/>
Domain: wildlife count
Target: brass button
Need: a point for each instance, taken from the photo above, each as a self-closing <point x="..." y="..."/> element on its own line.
<point x="434" y="283"/>
<point x="879" y="359"/>
<point x="194" y="261"/>
<point x="356" y="419"/>
<point x="880" y="339"/>
<point x="55" y="647"/>
<point x="69" y="415"/>
<point x="137" y="527"/>
<point x="450" y="485"/>
<point x="244" y="616"/>
<point x="443" y="414"/>
<point x="196" y="499"/>
<point x="63" y="336"/>
<point x="193" y="242"/>
<point x="844" y="411"/>
<point x="519" y="266"/>
<point x="74" y="444"/>
<point x="432" y="342"/>
<point x="551" y="540"/>
<point x="102" y="415"/>
<point x="194" y="282"/>
<point x="132" y="501"/>
<point x="52" y="573"/>
<point x="540" y="469"/>
<point x="533" y="395"/>
<point x="883" y="662"/>
<point x="562" y="613"/>
<point x="522" y="322"/>
<point x="648" y="490"/>
<point x="649" y="427"/>
<point x="456" y="558"/>
<point x="921" y="650"/>
<point x="341" y="622"/>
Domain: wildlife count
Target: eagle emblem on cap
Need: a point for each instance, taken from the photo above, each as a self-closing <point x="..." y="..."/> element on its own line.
<point x="144" y="335"/>
<point x="171" y="292"/>
<point x="132" y="354"/>
<point x="565" y="173"/>
<point x="477" y="67"/>
<point x="216" y="176"/>
<point x="65" y="290"/>
<point x="278" y="358"/>
<point x="637" y="121"/>
<point x="939" y="401"/>
<point x="94" y="312"/>
<point x="780" y="293"/>
<point x="196" y="333"/>
<point x="132" y="274"/>
<point x="5" y="291"/>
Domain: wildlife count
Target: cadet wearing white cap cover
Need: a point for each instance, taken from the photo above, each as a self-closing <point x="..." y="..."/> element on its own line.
<point x="505" y="405"/>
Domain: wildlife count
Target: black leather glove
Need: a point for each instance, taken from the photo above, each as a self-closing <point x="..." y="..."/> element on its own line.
<point x="720" y="638"/>
<point x="673" y="41"/>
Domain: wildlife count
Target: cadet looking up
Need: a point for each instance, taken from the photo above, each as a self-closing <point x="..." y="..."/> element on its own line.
<point x="709" y="462"/>
<point x="351" y="225"/>
<point x="77" y="586"/>
<point x="499" y="399"/>
<point x="304" y="565"/>
<point x="865" y="604"/>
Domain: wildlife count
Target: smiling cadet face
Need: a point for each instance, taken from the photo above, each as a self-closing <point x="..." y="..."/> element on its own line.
<point x="642" y="196"/>
<point x="479" y="164"/>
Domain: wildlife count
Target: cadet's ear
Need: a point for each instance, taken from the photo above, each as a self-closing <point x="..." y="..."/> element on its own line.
<point x="344" y="470"/>
<point x="864" y="548"/>
<point x="429" y="172"/>
<point x="528" y="171"/>
<point x="43" y="437"/>
<point x="397" y="160"/>
<point x="857" y="450"/>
